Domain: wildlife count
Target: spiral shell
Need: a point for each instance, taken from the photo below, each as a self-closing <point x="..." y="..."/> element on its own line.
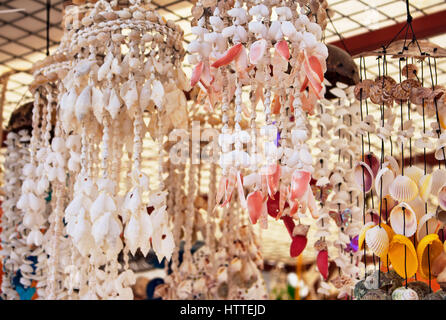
<point x="376" y="94"/>
<point x="409" y="84"/>
<point x="403" y="220"/>
<point x="377" y="240"/>
<point x="403" y="189"/>
<point x="365" y="85"/>
<point x="398" y="93"/>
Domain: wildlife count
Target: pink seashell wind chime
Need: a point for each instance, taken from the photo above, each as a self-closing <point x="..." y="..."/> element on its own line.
<point x="281" y="62"/>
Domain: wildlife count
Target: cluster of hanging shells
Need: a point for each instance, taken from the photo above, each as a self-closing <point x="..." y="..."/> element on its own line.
<point x="113" y="66"/>
<point x="116" y="67"/>
<point x="404" y="226"/>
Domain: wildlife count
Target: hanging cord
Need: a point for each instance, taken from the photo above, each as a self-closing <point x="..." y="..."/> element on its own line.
<point x="341" y="38"/>
<point x="48" y="10"/>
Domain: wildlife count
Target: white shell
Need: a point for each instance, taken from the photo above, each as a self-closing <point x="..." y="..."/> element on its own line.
<point x="406" y="226"/>
<point x="377" y="240"/>
<point x="403" y="189"/>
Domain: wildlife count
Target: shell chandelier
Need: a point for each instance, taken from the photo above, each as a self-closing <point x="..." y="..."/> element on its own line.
<point x="113" y="65"/>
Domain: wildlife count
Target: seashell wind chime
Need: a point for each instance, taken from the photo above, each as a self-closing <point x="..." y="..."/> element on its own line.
<point x="404" y="229"/>
<point x="273" y="50"/>
<point x="337" y="138"/>
<point x="16" y="253"/>
<point x="113" y="65"/>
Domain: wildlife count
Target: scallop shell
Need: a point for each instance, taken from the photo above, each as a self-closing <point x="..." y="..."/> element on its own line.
<point x="404" y="293"/>
<point x="428" y="249"/>
<point x="409" y="71"/>
<point x="439" y="151"/>
<point x="403" y="220"/>
<point x="441" y="215"/>
<point x="418" y="206"/>
<point x="415" y="173"/>
<point x="427" y="223"/>
<point x="386" y="176"/>
<point x="363" y="176"/>
<point x="403" y="256"/>
<point x="442" y="197"/>
<point x="377" y="240"/>
<point x="388" y="203"/>
<point x="425" y="186"/>
<point x="373" y="162"/>
<point x="438" y="180"/>
<point x="365" y="85"/>
<point x="362" y="234"/>
<point x="392" y="164"/>
<point x="403" y="189"/>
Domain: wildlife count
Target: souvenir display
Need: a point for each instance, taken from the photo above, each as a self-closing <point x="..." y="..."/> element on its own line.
<point x="143" y="146"/>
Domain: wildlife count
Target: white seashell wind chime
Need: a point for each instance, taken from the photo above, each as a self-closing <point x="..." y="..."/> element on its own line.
<point x="15" y="251"/>
<point x="337" y="139"/>
<point x="118" y="63"/>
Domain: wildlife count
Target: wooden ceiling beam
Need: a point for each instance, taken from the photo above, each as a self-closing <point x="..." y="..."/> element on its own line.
<point x="426" y="26"/>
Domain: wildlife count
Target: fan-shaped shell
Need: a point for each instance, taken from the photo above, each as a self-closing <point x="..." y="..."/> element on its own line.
<point x="427" y="224"/>
<point x="441" y="215"/>
<point x="386" y="176"/>
<point x="363" y="176"/>
<point x="438" y="180"/>
<point x="403" y="220"/>
<point x="418" y="206"/>
<point x="377" y="240"/>
<point x="392" y="164"/>
<point x="404" y="293"/>
<point x="405" y="265"/>
<point x="403" y="189"/>
<point x="425" y="186"/>
<point x="373" y="162"/>
<point x="388" y="203"/>
<point x="414" y="173"/>
<point x="427" y="257"/>
<point x="361" y="237"/>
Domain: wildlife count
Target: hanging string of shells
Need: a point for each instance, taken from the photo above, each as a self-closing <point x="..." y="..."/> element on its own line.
<point x="270" y="52"/>
<point x="403" y="194"/>
<point x="338" y="144"/>
<point x="17" y="255"/>
<point x="113" y="66"/>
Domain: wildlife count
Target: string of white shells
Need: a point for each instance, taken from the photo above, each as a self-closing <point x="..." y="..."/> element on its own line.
<point x="15" y="251"/>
